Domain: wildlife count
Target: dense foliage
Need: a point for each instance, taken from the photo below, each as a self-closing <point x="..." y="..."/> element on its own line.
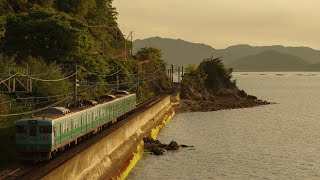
<point x="210" y="77"/>
<point x="50" y="37"/>
<point x="218" y="76"/>
<point x="49" y="34"/>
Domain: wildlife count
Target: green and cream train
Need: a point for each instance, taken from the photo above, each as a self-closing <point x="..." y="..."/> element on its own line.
<point x="40" y="138"/>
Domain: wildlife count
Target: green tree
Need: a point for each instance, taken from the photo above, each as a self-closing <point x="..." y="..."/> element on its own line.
<point x="218" y="75"/>
<point x="77" y="7"/>
<point x="105" y="13"/>
<point x="148" y="53"/>
<point x="53" y="35"/>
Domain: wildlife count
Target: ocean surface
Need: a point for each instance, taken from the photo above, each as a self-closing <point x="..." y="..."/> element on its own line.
<point x="280" y="141"/>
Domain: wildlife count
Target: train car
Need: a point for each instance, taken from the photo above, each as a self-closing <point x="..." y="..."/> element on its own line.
<point x="40" y="138"/>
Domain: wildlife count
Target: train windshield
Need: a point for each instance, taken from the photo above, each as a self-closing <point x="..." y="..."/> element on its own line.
<point x="45" y="129"/>
<point x="33" y="130"/>
<point x="21" y="129"/>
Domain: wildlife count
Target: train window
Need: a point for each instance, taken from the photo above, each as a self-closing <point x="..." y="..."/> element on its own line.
<point x="102" y="112"/>
<point x="95" y="115"/>
<point x="57" y="129"/>
<point x="21" y="129"/>
<point x="67" y="127"/>
<point x="33" y="130"/>
<point x="45" y="129"/>
<point x="64" y="127"/>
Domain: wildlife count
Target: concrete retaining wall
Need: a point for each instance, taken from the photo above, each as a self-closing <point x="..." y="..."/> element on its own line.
<point x="108" y="157"/>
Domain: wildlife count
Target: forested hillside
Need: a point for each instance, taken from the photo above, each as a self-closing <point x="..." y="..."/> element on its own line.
<point x="50" y="42"/>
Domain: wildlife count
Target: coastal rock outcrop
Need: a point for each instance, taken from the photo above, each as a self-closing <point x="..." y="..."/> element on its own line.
<point x="157" y="148"/>
<point x="210" y="87"/>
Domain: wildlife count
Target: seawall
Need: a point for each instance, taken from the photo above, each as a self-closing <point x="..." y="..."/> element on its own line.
<point x="111" y="156"/>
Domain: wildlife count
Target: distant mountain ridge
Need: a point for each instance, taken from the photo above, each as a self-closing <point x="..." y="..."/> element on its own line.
<point x="177" y="51"/>
<point x="180" y="52"/>
<point x="270" y="61"/>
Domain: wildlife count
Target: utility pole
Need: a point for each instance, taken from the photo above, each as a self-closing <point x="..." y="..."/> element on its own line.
<point x="178" y="74"/>
<point x="172" y="75"/>
<point x="125" y="45"/>
<point x="131" y="45"/>
<point x="117" y="78"/>
<point x="28" y="87"/>
<point x="125" y="48"/>
<point x="9" y="73"/>
<point x="182" y="72"/>
<point x="29" y="80"/>
<point x="75" y="79"/>
<point x="138" y="83"/>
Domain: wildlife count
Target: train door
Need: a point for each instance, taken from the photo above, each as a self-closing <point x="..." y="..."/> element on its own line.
<point x="110" y="108"/>
<point x="56" y="134"/>
<point x="71" y="127"/>
<point x="83" y="123"/>
<point x="60" y="134"/>
<point x="108" y="112"/>
<point x="33" y="138"/>
<point x="93" y="118"/>
<point x="88" y="122"/>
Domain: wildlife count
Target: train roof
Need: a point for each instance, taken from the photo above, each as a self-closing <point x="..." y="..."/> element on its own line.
<point x="37" y="120"/>
<point x="56" y="110"/>
<point x="48" y="116"/>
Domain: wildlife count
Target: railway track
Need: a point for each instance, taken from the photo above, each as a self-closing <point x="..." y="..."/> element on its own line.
<point x="11" y="173"/>
<point x="28" y="172"/>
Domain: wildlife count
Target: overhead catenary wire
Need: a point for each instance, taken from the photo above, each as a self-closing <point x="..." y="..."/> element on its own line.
<point x="38" y="79"/>
<point x="102" y="75"/>
<point x="55" y="80"/>
<point x="133" y="81"/>
<point x="8" y="78"/>
<point x="46" y="97"/>
<point x="35" y="111"/>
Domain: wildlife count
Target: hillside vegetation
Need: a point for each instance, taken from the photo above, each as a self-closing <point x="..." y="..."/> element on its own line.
<point x="51" y="37"/>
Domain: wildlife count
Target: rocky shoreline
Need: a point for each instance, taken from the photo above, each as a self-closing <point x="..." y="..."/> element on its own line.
<point x="219" y="103"/>
<point x="157" y="148"/>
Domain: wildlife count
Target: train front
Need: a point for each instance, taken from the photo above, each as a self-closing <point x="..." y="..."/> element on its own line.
<point x="34" y="139"/>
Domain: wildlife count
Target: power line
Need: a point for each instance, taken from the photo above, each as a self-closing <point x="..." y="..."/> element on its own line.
<point x="46" y="97"/>
<point x="101" y="75"/>
<point x="55" y="80"/>
<point x="31" y="112"/>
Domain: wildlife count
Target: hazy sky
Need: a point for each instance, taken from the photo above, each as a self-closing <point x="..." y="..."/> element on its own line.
<point x="221" y="23"/>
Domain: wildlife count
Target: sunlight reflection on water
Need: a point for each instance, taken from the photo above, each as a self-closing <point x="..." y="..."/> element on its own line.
<point x="280" y="141"/>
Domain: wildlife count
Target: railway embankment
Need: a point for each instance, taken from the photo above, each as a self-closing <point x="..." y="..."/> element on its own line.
<point x="113" y="155"/>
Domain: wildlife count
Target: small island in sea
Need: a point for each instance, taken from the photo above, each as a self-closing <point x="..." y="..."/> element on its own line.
<point x="210" y="87"/>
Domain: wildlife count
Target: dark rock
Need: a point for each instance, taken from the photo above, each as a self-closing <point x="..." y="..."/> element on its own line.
<point x="159" y="151"/>
<point x="157" y="148"/>
<point x="148" y="139"/>
<point x="165" y="146"/>
<point x="173" y="146"/>
<point x="185" y="146"/>
<point x="252" y="97"/>
<point x="243" y="94"/>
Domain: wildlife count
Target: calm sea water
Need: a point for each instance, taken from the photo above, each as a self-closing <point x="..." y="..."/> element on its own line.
<point x="280" y="141"/>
